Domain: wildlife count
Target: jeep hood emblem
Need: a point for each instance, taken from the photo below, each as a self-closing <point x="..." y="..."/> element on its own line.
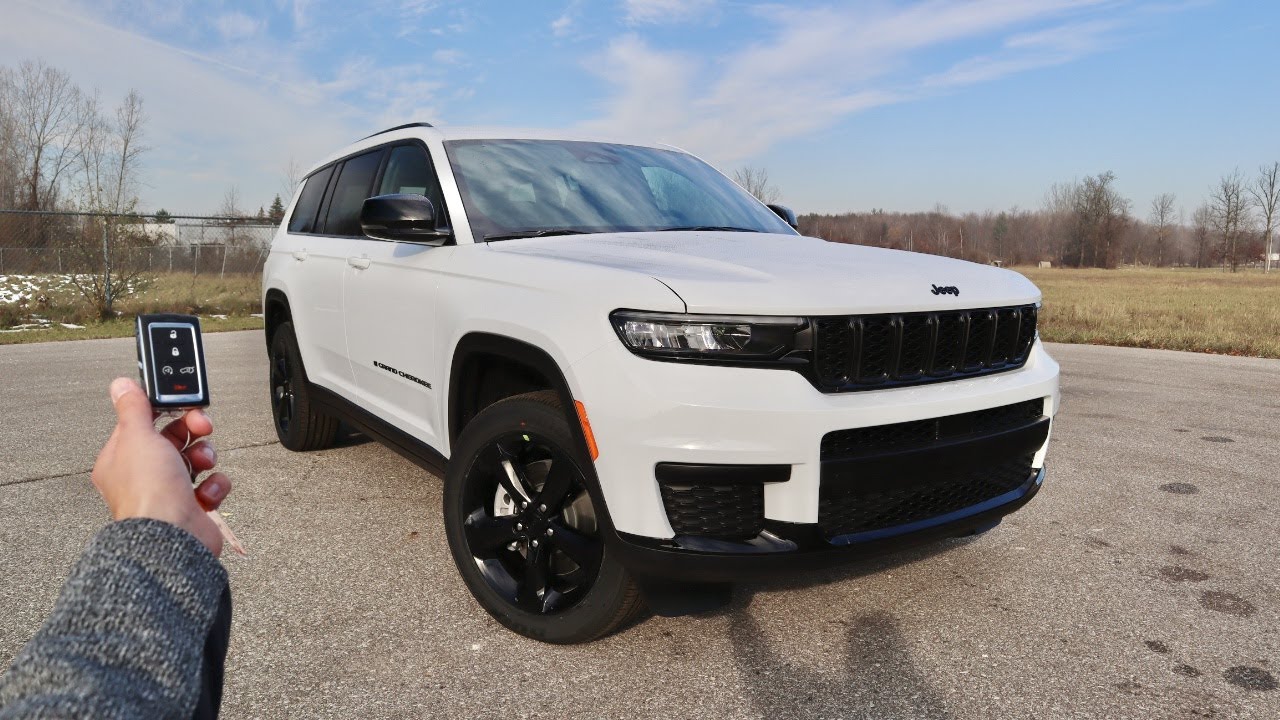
<point x="946" y="290"/>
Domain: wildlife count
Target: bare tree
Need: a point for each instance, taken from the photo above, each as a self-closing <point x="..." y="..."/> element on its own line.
<point x="46" y="112"/>
<point x="1266" y="197"/>
<point x="129" y="149"/>
<point x="1230" y="214"/>
<point x="109" y="154"/>
<point x="1201" y="228"/>
<point x="756" y="181"/>
<point x="290" y="178"/>
<point x="1162" y="223"/>
<point x="230" y="209"/>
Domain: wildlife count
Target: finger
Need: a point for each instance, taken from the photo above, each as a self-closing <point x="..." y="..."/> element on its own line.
<point x="213" y="491"/>
<point x="202" y="456"/>
<point x="133" y="410"/>
<point x="192" y="425"/>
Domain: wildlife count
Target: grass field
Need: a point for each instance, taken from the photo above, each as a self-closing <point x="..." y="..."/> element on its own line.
<point x="1185" y="309"/>
<point x="43" y="308"/>
<point x="1197" y="310"/>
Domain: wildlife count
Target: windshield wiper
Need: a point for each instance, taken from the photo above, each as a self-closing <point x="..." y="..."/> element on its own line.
<point x="725" y="228"/>
<point x="534" y="233"/>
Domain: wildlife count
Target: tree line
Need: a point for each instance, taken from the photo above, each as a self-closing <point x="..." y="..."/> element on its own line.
<point x="1085" y="223"/>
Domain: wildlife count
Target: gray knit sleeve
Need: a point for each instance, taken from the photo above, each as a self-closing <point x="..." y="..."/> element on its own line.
<point x="126" y="637"/>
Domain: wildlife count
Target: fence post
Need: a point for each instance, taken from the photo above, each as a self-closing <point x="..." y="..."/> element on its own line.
<point x="223" y="274"/>
<point x="1" y="259"/>
<point x="106" y="261"/>
<point x="59" y="261"/>
<point x="195" y="269"/>
<point x="170" y="258"/>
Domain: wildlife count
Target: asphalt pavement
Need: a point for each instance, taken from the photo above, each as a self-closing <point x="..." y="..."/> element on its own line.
<point x="1142" y="582"/>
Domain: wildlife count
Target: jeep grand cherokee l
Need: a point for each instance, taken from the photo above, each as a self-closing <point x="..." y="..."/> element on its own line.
<point x="638" y="382"/>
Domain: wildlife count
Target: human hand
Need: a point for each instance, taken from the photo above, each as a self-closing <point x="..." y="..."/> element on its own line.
<point x="141" y="474"/>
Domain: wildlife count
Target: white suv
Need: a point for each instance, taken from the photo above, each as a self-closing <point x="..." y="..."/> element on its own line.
<point x="645" y="383"/>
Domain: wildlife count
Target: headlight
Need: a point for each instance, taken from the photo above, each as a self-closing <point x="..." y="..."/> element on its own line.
<point x="716" y="338"/>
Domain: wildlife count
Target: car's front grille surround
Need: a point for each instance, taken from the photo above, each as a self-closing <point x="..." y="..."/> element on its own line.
<point x="863" y="352"/>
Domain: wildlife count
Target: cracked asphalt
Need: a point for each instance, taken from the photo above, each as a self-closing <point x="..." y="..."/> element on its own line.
<point x="1141" y="583"/>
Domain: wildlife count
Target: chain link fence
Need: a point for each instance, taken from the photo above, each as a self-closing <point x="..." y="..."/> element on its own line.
<point x="41" y="242"/>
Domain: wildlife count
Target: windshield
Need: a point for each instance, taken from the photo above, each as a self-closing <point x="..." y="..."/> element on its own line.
<point x="523" y="188"/>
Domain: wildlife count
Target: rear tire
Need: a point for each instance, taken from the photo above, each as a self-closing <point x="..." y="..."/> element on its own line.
<point x="529" y="546"/>
<point x="299" y="424"/>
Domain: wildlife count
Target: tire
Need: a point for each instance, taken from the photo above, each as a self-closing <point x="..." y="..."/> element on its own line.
<point x="299" y="425"/>
<point x="544" y="573"/>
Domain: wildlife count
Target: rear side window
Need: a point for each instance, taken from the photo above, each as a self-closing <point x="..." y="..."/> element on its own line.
<point x="409" y="172"/>
<point x="303" y="219"/>
<point x="349" y="193"/>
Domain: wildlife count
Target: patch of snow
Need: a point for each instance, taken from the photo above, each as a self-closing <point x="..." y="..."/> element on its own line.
<point x="70" y="326"/>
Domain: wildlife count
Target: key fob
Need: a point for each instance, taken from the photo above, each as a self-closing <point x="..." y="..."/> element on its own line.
<point x="171" y="361"/>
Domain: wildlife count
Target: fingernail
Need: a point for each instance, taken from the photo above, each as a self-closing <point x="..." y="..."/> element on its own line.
<point x="119" y="387"/>
<point x="215" y="489"/>
<point x="210" y="453"/>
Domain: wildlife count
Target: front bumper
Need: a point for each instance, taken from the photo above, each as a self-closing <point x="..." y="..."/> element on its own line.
<point x="645" y="413"/>
<point x="788" y="548"/>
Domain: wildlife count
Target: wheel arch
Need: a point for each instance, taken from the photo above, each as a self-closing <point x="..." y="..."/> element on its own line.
<point x="487" y="367"/>
<point x="472" y="353"/>
<point x="275" y="312"/>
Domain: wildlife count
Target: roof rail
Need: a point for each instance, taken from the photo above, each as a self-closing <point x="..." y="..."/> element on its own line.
<point x="398" y="127"/>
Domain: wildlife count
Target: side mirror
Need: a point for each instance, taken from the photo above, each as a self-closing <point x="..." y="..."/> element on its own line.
<point x="787" y="214"/>
<point x="402" y="218"/>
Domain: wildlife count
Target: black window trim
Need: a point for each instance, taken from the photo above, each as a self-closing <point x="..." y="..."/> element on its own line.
<point x="385" y="149"/>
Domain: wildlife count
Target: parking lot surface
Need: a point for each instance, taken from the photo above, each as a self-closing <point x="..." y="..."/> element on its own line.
<point x="1142" y="582"/>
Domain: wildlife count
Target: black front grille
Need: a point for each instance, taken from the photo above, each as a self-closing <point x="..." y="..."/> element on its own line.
<point x="919" y="434"/>
<point x="862" y="352"/>
<point x="846" y="509"/>
<point x="729" y="511"/>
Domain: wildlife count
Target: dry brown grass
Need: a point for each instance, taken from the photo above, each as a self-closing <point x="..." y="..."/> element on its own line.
<point x="235" y="296"/>
<point x="1184" y="309"/>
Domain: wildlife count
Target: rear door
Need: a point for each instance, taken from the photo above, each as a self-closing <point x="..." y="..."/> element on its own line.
<point x="313" y="278"/>
<point x="389" y="292"/>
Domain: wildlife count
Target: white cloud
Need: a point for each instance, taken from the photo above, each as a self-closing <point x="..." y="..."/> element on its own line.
<point x="448" y="56"/>
<point x="645" y="12"/>
<point x="822" y="64"/>
<point x="238" y="26"/>
<point x="211" y="124"/>
<point x="562" y="25"/>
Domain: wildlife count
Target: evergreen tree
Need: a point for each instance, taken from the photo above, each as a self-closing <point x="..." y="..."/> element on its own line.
<point x="276" y="214"/>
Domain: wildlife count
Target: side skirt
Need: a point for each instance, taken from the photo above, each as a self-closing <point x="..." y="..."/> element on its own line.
<point x="409" y="447"/>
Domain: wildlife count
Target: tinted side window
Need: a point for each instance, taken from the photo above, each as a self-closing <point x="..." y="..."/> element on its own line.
<point x="349" y="193"/>
<point x="409" y="171"/>
<point x="303" y="219"/>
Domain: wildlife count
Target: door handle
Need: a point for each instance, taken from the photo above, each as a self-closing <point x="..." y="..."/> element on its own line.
<point x="360" y="263"/>
<point x="299" y="255"/>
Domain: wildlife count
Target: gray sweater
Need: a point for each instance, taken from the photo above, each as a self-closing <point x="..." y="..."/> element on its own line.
<point x="130" y="635"/>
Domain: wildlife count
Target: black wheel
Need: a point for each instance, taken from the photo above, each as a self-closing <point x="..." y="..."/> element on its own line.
<point x="298" y="424"/>
<point x="523" y="528"/>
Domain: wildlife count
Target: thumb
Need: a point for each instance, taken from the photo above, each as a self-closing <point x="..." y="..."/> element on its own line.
<point x="132" y="407"/>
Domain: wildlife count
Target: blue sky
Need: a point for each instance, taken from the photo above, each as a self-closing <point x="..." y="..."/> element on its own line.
<point x="849" y="106"/>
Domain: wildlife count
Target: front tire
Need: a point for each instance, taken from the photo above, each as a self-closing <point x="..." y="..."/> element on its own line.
<point x="299" y="424"/>
<point x="522" y="527"/>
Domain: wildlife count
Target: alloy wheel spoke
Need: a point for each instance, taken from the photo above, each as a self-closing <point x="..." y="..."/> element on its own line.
<point x="534" y="580"/>
<point x="512" y="476"/>
<point x="583" y="550"/>
<point x="487" y="535"/>
<point x="556" y="489"/>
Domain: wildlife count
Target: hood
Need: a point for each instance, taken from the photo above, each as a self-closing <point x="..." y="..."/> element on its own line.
<point x="756" y="273"/>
